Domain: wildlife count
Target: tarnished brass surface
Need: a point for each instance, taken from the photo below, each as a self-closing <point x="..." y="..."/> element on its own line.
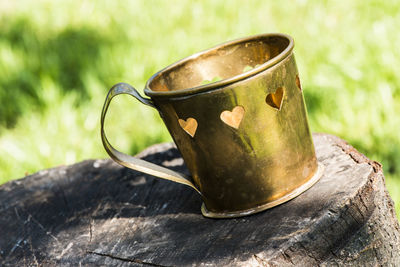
<point x="244" y="138"/>
<point x="270" y="204"/>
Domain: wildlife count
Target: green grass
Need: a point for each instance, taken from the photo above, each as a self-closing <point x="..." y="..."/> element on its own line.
<point x="58" y="59"/>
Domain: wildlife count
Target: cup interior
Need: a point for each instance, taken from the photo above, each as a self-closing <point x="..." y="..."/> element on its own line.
<point x="220" y="63"/>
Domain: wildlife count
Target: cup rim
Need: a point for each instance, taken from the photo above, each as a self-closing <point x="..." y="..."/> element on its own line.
<point x="203" y="88"/>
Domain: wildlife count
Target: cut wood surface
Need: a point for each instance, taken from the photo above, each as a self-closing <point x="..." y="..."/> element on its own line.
<point x="97" y="213"/>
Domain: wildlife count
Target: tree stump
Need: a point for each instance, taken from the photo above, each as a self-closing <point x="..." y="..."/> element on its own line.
<point x="99" y="213"/>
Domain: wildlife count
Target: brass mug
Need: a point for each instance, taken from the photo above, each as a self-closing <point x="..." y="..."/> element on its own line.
<point x="237" y="115"/>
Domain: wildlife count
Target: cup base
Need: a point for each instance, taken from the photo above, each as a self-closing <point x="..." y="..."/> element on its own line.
<point x="234" y="214"/>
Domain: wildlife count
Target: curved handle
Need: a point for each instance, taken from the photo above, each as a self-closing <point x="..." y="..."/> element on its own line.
<point x="129" y="161"/>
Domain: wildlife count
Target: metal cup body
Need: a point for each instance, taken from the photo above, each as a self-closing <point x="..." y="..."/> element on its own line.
<point x="262" y="157"/>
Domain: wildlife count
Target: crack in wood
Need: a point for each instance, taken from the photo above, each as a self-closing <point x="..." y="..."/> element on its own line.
<point x="64" y="198"/>
<point x="125" y="259"/>
<point x="41" y="227"/>
<point x="309" y="253"/>
<point x="16" y="213"/>
<point x="352" y="221"/>
<point x="287" y="257"/>
<point x="260" y="260"/>
<point x="32" y="251"/>
<point x="90" y="230"/>
<point x="354" y="154"/>
<point x="16" y="245"/>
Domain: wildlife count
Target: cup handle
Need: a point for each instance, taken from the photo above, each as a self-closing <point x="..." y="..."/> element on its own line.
<point x="130" y="161"/>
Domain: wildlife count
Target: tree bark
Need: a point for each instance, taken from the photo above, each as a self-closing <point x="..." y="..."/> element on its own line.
<point x="99" y="213"/>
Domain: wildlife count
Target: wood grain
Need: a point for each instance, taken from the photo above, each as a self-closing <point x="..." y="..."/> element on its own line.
<point x="99" y="213"/>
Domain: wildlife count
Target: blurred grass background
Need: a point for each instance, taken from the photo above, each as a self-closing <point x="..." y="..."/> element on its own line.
<point x="58" y="59"/>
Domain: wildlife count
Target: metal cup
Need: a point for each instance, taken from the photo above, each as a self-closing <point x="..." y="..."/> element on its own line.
<point x="237" y="115"/>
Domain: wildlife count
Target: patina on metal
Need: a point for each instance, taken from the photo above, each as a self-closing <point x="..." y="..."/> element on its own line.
<point x="245" y="137"/>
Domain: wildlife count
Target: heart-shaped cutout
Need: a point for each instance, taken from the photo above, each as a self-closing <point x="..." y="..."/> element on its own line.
<point x="233" y="118"/>
<point x="189" y="126"/>
<point x="275" y="99"/>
